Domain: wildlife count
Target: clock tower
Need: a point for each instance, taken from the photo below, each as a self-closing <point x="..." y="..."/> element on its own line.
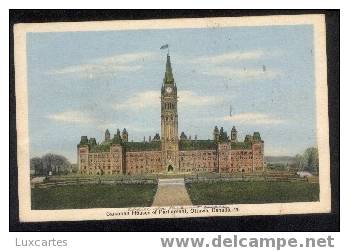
<point x="169" y="121"/>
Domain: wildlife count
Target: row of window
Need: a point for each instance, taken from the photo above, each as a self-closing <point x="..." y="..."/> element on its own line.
<point x="99" y="155"/>
<point x="100" y="172"/>
<point x="103" y="161"/>
<point x="199" y="152"/>
<point x="204" y="169"/>
<point x="101" y="167"/>
<point x="141" y="167"/>
<point x="188" y="164"/>
<point x="169" y="106"/>
<point x="198" y="158"/>
<point x="240" y="157"/>
<point x="141" y="159"/>
<point x="141" y="155"/>
<point x="103" y="156"/>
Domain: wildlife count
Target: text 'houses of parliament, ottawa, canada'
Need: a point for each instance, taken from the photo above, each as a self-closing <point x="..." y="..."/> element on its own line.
<point x="169" y="152"/>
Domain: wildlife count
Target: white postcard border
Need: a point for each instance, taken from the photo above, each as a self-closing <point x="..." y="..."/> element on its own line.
<point x="28" y="215"/>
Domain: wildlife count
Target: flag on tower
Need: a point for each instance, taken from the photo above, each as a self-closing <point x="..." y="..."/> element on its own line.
<point x="164" y="47"/>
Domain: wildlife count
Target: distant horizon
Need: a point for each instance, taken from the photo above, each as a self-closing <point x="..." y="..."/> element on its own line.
<point x="82" y="83"/>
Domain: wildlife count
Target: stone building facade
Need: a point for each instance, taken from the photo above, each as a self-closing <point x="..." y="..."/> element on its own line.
<point x="169" y="152"/>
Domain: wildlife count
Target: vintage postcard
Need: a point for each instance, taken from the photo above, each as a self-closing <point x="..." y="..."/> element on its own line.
<point x="172" y="118"/>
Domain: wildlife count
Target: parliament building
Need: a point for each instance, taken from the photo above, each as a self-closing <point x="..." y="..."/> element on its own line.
<point x="170" y="152"/>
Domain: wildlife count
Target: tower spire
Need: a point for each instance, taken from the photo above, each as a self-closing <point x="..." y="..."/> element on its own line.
<point x="168" y="73"/>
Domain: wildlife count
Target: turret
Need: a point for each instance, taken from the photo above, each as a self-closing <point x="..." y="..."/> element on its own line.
<point x="216" y="134"/>
<point x="222" y="135"/>
<point x="183" y="136"/>
<point x="124" y="135"/>
<point x="234" y="135"/>
<point x="84" y="140"/>
<point x="118" y="133"/>
<point x="256" y="137"/>
<point x="248" y="138"/>
<point x="117" y="139"/>
<point x="156" y="137"/>
<point x="92" y="142"/>
<point x="107" y="135"/>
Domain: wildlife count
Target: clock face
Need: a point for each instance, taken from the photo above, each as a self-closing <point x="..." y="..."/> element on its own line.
<point x="168" y="89"/>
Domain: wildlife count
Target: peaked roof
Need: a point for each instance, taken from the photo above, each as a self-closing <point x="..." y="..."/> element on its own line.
<point x="186" y="145"/>
<point x="142" y="146"/>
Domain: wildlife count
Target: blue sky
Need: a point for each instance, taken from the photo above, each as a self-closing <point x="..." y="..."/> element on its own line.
<point x="80" y="83"/>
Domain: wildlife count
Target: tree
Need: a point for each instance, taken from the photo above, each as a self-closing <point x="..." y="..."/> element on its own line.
<point x="36" y="166"/>
<point x="74" y="168"/>
<point x="311" y="159"/>
<point x="308" y="161"/>
<point x="56" y="164"/>
<point x="299" y="161"/>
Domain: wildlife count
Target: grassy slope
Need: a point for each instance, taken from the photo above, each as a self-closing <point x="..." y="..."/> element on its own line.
<point x="252" y="192"/>
<point x="93" y="196"/>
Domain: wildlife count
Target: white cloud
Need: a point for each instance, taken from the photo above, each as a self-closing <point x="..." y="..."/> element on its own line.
<point x="189" y="98"/>
<point x="140" y="101"/>
<point x="151" y="99"/>
<point x="243" y="73"/>
<point x="227" y="65"/>
<point x="125" y="58"/>
<point x="74" y="117"/>
<point x="254" y="118"/>
<point x="112" y="65"/>
<point x="83" y="118"/>
<point x="230" y="56"/>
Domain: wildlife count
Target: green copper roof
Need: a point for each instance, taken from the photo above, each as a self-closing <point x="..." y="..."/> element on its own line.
<point x="99" y="148"/>
<point x="142" y="146"/>
<point x="241" y="145"/>
<point x="256" y="136"/>
<point x="187" y="145"/>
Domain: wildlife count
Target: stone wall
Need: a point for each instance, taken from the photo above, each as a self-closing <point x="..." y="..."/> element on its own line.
<point x="198" y="161"/>
<point x="143" y="162"/>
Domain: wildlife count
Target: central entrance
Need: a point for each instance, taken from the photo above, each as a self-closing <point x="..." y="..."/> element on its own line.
<point x="170" y="168"/>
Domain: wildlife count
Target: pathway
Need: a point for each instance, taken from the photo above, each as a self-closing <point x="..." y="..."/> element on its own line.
<point x="171" y="192"/>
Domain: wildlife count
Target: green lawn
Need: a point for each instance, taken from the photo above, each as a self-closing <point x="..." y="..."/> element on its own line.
<point x="221" y="193"/>
<point x="93" y="196"/>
